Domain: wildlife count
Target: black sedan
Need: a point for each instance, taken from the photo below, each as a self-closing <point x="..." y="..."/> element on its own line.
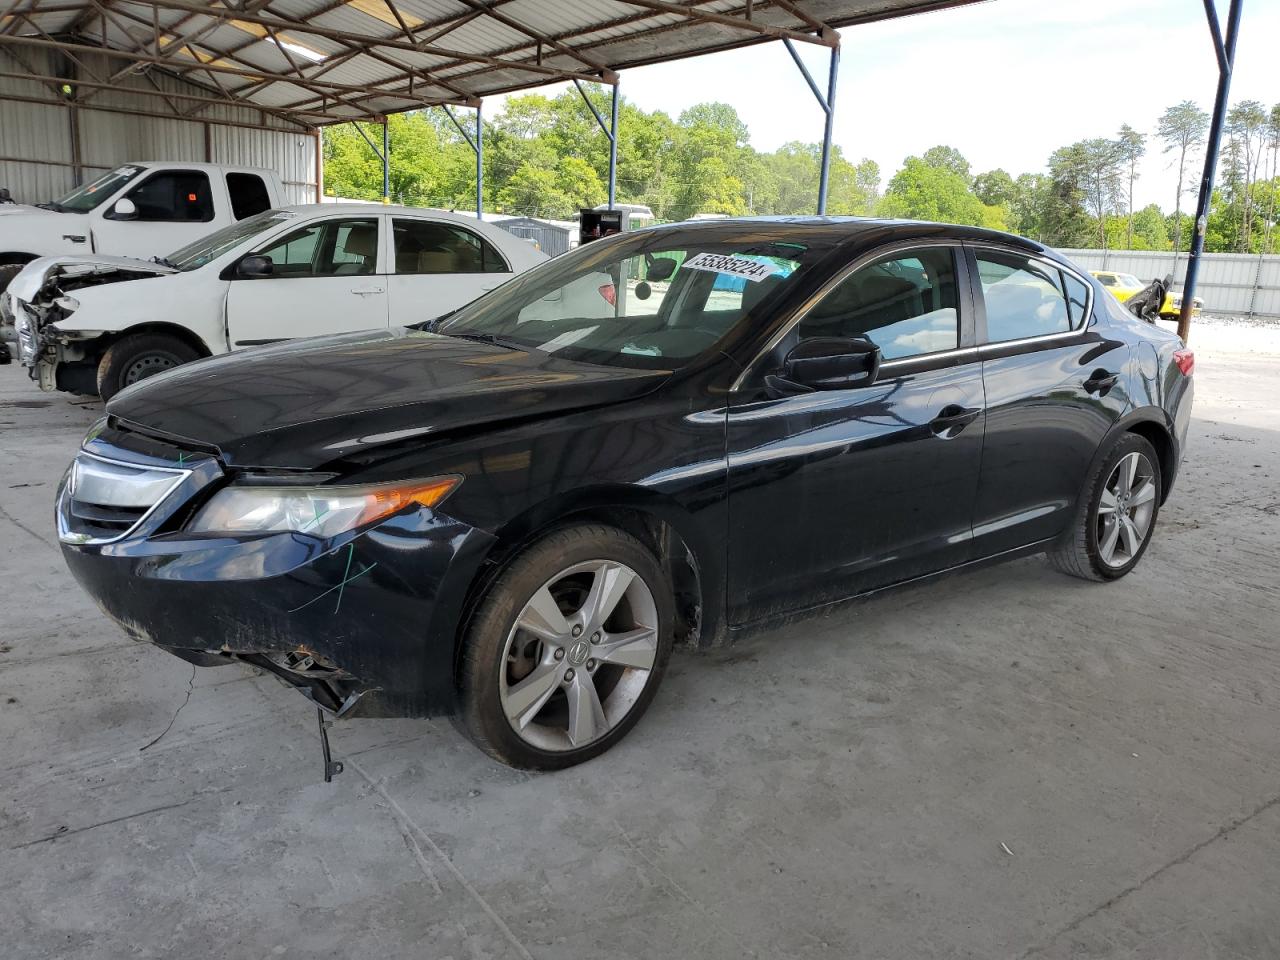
<point x="668" y="436"/>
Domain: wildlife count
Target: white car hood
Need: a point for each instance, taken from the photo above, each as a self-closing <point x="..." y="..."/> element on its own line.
<point x="15" y="209"/>
<point x="27" y="284"/>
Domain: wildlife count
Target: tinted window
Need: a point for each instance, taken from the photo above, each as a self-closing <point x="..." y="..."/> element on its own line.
<point x="248" y="194"/>
<point x="330" y="248"/>
<point x="174" y="195"/>
<point x="905" y="304"/>
<point x="1106" y="279"/>
<point x="1024" y="297"/>
<point x="1077" y="299"/>
<point x="426" y="246"/>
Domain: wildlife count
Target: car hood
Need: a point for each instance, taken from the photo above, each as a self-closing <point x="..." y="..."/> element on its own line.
<point x="306" y="404"/>
<point x="71" y="268"/>
<point x="23" y="209"/>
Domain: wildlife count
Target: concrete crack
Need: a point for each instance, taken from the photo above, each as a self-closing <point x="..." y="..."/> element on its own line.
<point x="191" y="685"/>
<point x="1135" y="887"/>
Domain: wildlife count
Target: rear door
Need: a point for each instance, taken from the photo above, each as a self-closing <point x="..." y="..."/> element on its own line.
<point x="1054" y="385"/>
<point x="438" y="266"/>
<point x="837" y="492"/>
<point x="325" y="280"/>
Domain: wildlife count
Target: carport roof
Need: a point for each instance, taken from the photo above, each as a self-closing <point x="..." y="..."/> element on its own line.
<point x="326" y="61"/>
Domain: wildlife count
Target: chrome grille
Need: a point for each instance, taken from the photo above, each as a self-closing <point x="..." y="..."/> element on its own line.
<point x="108" y="499"/>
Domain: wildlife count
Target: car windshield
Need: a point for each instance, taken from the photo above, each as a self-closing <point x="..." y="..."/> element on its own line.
<point x="214" y="245"/>
<point x="1129" y="280"/>
<point x="647" y="300"/>
<point x="84" y="198"/>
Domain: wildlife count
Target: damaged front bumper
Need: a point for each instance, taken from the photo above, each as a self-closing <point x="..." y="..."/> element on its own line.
<point x="364" y="624"/>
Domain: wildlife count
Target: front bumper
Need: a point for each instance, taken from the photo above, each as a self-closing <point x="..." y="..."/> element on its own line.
<point x="364" y="623"/>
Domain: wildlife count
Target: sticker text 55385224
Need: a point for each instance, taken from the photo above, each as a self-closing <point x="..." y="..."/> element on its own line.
<point x="753" y="270"/>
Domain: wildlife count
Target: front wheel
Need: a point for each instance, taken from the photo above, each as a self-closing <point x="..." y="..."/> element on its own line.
<point x="567" y="649"/>
<point x="1117" y="514"/>
<point x="136" y="357"/>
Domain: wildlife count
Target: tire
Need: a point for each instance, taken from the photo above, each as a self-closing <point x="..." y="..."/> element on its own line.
<point x="137" y="357"/>
<point x="1097" y="547"/>
<point x="569" y="660"/>
<point x="7" y="272"/>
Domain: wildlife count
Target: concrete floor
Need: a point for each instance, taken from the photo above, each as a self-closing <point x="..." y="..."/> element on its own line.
<point x="1005" y="764"/>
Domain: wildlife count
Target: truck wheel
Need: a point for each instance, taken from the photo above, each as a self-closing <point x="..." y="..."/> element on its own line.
<point x="135" y="358"/>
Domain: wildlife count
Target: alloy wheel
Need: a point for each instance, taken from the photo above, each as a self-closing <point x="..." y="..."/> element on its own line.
<point x="1125" y="510"/>
<point x="579" y="655"/>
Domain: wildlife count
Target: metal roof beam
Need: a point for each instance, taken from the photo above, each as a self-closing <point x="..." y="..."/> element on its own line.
<point x="728" y="20"/>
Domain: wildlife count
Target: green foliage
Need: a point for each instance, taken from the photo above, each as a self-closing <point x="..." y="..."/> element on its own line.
<point x="924" y="190"/>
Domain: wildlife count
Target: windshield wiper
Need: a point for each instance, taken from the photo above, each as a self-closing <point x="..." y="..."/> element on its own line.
<point x="165" y="262"/>
<point x="53" y="205"/>
<point x="492" y="338"/>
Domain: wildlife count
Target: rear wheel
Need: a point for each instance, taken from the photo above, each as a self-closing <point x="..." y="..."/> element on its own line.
<point x="567" y="649"/>
<point x="134" y="358"/>
<point x="1117" y="515"/>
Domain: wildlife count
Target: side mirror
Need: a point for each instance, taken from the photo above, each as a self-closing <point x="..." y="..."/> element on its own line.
<point x="660" y="268"/>
<point x="254" y="267"/>
<point x="827" y="363"/>
<point x="124" y="209"/>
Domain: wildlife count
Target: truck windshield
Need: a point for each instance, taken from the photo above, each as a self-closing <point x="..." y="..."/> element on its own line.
<point x="85" y="198"/>
<point x="210" y="247"/>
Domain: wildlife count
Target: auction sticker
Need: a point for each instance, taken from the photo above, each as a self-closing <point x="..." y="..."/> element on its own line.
<point x="752" y="270"/>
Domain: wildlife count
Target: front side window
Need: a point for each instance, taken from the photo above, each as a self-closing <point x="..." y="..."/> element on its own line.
<point x="329" y="248"/>
<point x="429" y="246"/>
<point x="906" y="304"/>
<point x="87" y="197"/>
<point x="1027" y="298"/>
<point x="248" y="194"/>
<point x="175" y="196"/>
<point x="650" y="301"/>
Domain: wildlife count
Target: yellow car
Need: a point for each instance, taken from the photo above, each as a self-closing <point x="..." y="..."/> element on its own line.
<point x="1125" y="285"/>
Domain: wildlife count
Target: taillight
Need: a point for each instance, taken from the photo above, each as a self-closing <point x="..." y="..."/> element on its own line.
<point x="610" y="293"/>
<point x="1186" y="361"/>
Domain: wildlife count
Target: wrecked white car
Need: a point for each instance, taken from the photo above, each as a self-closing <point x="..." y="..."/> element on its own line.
<point x="93" y="325"/>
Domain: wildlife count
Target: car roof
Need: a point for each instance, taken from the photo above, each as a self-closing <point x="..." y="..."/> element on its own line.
<point x="845" y="230"/>
<point x="372" y="209"/>
<point x="193" y="165"/>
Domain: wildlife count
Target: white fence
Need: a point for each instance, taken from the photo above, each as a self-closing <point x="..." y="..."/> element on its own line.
<point x="1236" y="284"/>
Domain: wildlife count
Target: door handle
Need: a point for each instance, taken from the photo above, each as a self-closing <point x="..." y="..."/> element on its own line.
<point x="74" y="237"/>
<point x="366" y="291"/>
<point x="951" y="419"/>
<point x="1101" y="382"/>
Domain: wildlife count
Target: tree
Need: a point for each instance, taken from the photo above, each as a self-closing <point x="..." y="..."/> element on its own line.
<point x="995" y="188"/>
<point x="1247" y="127"/>
<point x="1182" y="127"/>
<point x="1131" y="146"/>
<point x="1092" y="170"/>
<point x="931" y="191"/>
<point x="947" y="158"/>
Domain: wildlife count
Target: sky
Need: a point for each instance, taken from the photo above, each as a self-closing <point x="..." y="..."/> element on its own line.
<point x="1006" y="82"/>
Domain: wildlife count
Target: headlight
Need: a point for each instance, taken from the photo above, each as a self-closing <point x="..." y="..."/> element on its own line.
<point x="317" y="511"/>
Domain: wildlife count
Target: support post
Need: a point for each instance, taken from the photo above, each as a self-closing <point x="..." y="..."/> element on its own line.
<point x="386" y="161"/>
<point x="476" y="143"/>
<point x="610" y="131"/>
<point x="613" y="146"/>
<point x="828" y="105"/>
<point x="1226" y="53"/>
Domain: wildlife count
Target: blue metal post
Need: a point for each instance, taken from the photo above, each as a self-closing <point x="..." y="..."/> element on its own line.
<point x="613" y="146"/>
<point x="479" y="164"/>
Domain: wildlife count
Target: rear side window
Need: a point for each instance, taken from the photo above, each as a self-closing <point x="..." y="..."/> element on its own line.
<point x="181" y="196"/>
<point x="906" y="304"/>
<point x="248" y="194"/>
<point x="429" y="246"/>
<point x="1025" y="297"/>
<point x="1106" y="279"/>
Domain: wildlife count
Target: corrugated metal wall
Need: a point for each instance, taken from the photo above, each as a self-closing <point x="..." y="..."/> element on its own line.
<point x="37" y="160"/>
<point x="1235" y="284"/>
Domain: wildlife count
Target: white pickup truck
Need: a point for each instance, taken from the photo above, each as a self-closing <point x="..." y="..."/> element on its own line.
<point x="138" y="210"/>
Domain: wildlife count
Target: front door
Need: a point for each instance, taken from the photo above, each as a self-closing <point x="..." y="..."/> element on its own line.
<point x="171" y="209"/>
<point x="837" y="492"/>
<point x="1054" y="386"/>
<point x="438" y="267"/>
<point x="325" y="279"/>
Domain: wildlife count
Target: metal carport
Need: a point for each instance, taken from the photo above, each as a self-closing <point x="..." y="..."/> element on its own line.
<point x="279" y="66"/>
